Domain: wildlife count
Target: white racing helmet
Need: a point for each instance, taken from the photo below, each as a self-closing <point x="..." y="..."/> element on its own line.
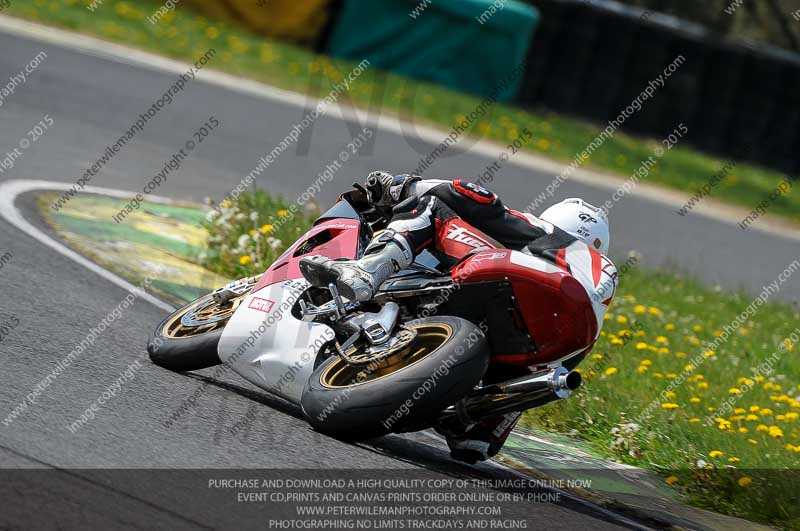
<point x="584" y="221"/>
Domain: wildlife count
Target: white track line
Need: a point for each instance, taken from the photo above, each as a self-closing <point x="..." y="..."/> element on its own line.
<point x="709" y="208"/>
<point x="10" y="190"/>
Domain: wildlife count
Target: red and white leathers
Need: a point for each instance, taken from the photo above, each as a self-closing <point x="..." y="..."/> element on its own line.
<point x="428" y="226"/>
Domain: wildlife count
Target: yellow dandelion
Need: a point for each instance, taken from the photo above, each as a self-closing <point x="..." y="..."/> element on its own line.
<point x="693" y="420"/>
<point x="670" y="394"/>
<point x="697" y="328"/>
<point x="694" y="400"/>
<point x="658" y="375"/>
<point x="752" y="441"/>
<point x="639" y="309"/>
<point x="266" y="228"/>
<point x="621" y="319"/>
<point x="680" y="355"/>
<point x="688" y="367"/>
<point x="646" y="362"/>
<point x="617" y="341"/>
<point x="244" y="260"/>
<point x="744" y="481"/>
<point x="669" y="326"/>
<point x="671" y="480"/>
<point x="610" y="371"/>
<point x="212" y="32"/>
<point x="733" y="459"/>
<point x="715" y="453"/>
<point x="792" y="415"/>
<point x="734" y="391"/>
<point x="693" y="340"/>
<point x="642" y="368"/>
<point x="672" y="375"/>
<point x="775" y="431"/>
<point x="750" y="416"/>
<point x="739" y="410"/>
<point x="663" y="350"/>
<point x="762" y="427"/>
<point x="661" y="339"/>
<point x="765" y="411"/>
<point x="641" y="345"/>
<point x="708" y="353"/>
<point x="653" y="310"/>
<point x="743" y="430"/>
<point x="252" y="232"/>
<point x="670" y="405"/>
<point x="282" y="212"/>
<point x="597" y="356"/>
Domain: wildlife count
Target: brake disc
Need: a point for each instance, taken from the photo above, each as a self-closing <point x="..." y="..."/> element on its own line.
<point x="399" y="341"/>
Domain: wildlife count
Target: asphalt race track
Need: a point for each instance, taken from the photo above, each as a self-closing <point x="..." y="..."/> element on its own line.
<point x="56" y="301"/>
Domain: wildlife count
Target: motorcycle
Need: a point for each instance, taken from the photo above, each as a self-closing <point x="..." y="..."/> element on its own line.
<point x="442" y="345"/>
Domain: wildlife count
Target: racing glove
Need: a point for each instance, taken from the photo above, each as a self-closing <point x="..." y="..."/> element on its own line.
<point x="386" y="190"/>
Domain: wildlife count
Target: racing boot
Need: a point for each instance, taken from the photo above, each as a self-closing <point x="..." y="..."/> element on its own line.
<point x="483" y="440"/>
<point x="358" y="280"/>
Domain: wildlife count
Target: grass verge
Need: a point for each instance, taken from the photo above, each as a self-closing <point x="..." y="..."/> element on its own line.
<point x="183" y="34"/>
<point x="714" y="409"/>
<point x="248" y="234"/>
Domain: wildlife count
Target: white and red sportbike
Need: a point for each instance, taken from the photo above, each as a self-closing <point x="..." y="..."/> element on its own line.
<point x="498" y="332"/>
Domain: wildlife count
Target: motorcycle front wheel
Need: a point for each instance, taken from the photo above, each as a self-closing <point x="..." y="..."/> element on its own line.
<point x="444" y="362"/>
<point x="187" y="339"/>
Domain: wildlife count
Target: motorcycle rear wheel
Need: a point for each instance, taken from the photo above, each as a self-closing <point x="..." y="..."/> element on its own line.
<point x="443" y="363"/>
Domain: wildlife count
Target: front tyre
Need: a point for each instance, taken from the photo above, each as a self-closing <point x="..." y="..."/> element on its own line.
<point x="444" y="362"/>
<point x="187" y="339"/>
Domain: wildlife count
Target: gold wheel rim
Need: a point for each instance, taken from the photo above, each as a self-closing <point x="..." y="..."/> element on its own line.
<point x="205" y="316"/>
<point x="430" y="338"/>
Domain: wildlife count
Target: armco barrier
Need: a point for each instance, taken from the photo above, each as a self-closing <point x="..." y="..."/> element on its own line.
<point x="591" y="59"/>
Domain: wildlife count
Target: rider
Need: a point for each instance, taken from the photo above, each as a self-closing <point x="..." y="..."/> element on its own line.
<point x="572" y="234"/>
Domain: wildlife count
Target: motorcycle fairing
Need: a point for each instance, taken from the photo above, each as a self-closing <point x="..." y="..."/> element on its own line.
<point x="556" y="307"/>
<point x="263" y="342"/>
<point x="266" y="345"/>
<point x="342" y="242"/>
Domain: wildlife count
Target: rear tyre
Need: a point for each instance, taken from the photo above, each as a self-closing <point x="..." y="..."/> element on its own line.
<point x="187" y="339"/>
<point x="407" y="391"/>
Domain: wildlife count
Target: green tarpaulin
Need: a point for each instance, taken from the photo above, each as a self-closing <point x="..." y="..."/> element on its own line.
<point x="476" y="46"/>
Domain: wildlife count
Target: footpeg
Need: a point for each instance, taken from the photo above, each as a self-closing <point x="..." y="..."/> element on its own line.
<point x="237" y="288"/>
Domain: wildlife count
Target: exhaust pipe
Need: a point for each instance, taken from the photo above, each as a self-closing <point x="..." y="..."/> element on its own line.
<point x="528" y="392"/>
